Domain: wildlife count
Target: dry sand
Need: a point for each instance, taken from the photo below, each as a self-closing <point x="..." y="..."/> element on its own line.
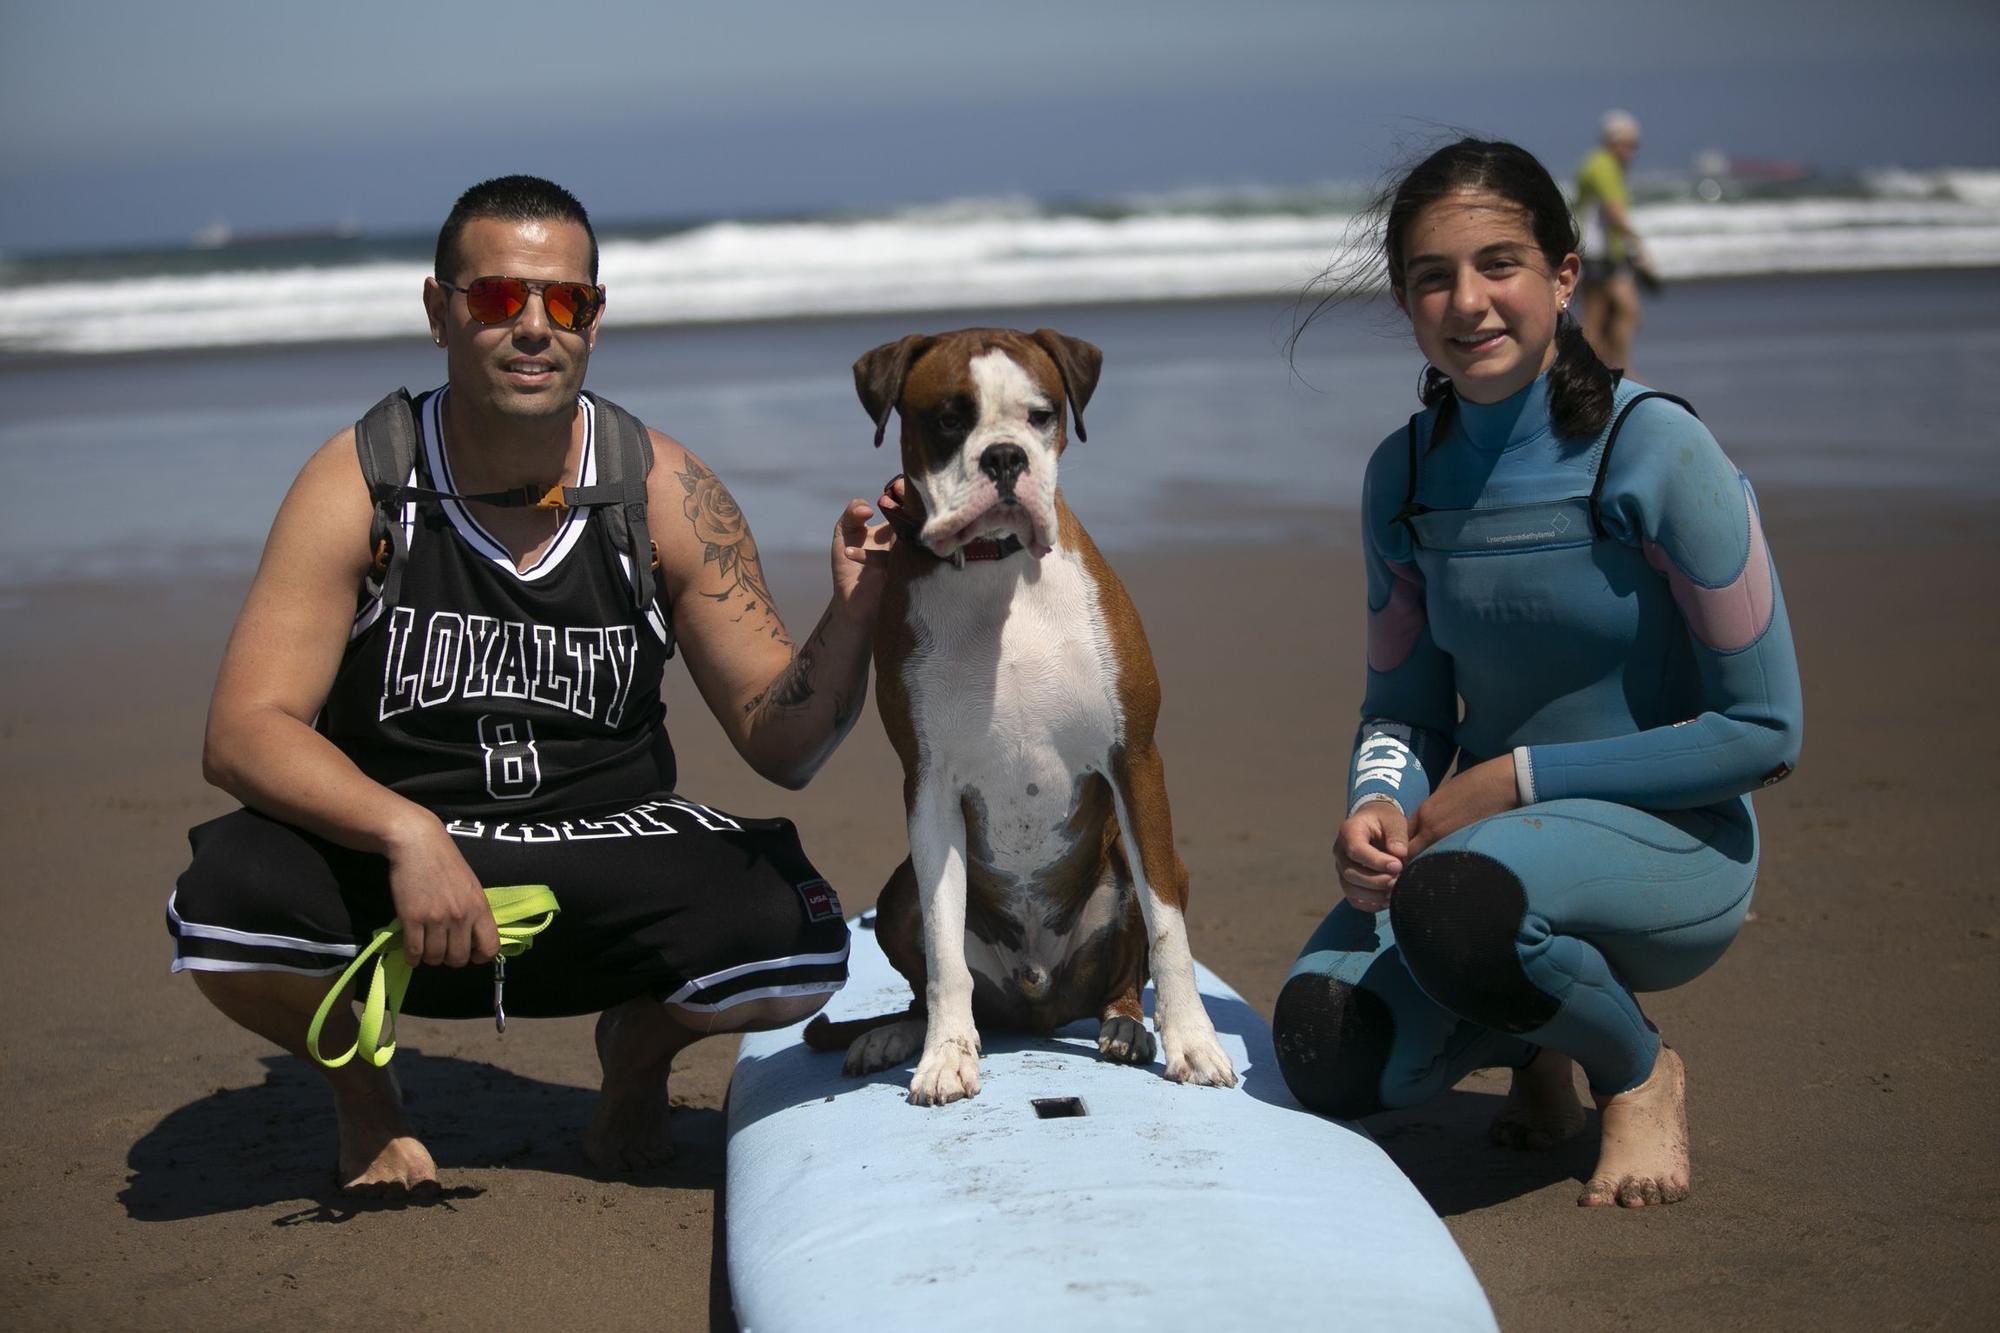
<point x="162" y="1168"/>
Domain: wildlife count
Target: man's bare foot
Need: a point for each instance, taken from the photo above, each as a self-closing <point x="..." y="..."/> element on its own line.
<point x="1542" y="1109"/>
<point x="1643" y="1158"/>
<point x="636" y="1044"/>
<point x="380" y="1157"/>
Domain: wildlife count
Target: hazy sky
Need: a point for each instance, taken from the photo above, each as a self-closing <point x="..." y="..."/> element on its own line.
<point x="132" y="123"/>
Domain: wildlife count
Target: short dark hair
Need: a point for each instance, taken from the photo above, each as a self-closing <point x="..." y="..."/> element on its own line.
<point x="511" y="199"/>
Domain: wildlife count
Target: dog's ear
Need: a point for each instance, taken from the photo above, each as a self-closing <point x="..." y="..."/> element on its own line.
<point x="878" y="378"/>
<point x="1078" y="363"/>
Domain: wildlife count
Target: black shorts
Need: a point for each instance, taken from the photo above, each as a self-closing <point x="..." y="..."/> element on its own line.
<point x="663" y="897"/>
<point x="1603" y="270"/>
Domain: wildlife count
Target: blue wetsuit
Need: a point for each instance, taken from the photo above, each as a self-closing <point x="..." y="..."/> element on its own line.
<point x="1608" y="614"/>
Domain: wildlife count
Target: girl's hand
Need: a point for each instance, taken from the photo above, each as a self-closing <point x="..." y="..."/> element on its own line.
<point x="1369" y="853"/>
<point x="1477" y="793"/>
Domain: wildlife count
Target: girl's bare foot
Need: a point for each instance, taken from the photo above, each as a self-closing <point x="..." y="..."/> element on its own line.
<point x="1542" y="1109"/>
<point x="1643" y="1158"/>
<point x="636" y="1044"/>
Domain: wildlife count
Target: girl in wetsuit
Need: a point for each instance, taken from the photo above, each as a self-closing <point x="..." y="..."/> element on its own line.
<point x="1573" y="558"/>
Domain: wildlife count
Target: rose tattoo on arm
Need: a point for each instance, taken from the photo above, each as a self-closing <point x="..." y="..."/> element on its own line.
<point x="726" y="541"/>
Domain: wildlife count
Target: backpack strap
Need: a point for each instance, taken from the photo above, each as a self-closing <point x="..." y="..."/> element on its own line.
<point x="622" y="468"/>
<point x="1410" y="507"/>
<point x="386" y="441"/>
<point x="1604" y="459"/>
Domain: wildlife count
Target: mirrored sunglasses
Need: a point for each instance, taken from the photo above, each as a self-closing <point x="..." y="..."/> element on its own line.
<point x="495" y="300"/>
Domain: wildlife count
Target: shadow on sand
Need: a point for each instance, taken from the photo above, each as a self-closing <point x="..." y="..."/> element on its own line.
<point x="272" y="1143"/>
<point x="1442" y="1147"/>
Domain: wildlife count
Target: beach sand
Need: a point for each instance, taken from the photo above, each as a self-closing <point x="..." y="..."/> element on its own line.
<point x="163" y="1168"/>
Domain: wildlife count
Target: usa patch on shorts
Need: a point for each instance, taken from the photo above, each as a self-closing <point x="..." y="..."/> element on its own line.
<point x="822" y="904"/>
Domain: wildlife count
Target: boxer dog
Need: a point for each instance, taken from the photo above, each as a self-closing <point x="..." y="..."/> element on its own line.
<point x="1016" y="685"/>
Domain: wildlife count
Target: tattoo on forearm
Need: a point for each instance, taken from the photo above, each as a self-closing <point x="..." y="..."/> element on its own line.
<point x="726" y="542"/>
<point x="789" y="705"/>
<point x="791" y="691"/>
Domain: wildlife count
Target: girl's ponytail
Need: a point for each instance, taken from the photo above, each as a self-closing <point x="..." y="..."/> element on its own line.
<point x="1580" y="385"/>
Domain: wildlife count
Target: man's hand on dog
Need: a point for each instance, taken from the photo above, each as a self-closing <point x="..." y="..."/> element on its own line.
<point x="860" y="557"/>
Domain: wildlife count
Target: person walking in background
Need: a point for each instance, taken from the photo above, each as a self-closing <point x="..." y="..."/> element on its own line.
<point x="1614" y="258"/>
<point x="1574" y="560"/>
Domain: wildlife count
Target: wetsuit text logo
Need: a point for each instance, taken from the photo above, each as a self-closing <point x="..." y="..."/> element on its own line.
<point x="1382" y="758"/>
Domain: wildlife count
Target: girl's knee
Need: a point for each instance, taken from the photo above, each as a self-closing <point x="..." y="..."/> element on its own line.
<point x="1333" y="1041"/>
<point x="1459" y="918"/>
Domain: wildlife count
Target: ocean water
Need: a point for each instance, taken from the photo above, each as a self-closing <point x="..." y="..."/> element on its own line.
<point x="156" y="466"/>
<point x="1005" y="253"/>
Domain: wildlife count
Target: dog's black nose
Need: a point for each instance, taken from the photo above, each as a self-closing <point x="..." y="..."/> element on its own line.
<point x="1003" y="463"/>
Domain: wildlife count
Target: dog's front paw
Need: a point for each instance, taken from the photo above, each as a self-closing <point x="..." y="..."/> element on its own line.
<point x="1125" y="1040"/>
<point x="948" y="1072"/>
<point x="883" y="1047"/>
<point x="1197" y="1057"/>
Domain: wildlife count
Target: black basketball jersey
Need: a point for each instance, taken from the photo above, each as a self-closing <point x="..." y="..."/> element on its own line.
<point x="484" y="686"/>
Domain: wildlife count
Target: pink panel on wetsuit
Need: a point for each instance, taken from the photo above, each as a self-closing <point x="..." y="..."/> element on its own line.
<point x="1734" y="616"/>
<point x="1393" y="631"/>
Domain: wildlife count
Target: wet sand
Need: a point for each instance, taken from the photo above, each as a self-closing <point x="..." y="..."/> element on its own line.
<point x="164" y="1168"/>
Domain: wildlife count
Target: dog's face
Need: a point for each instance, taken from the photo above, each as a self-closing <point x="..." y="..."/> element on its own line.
<point x="983" y="426"/>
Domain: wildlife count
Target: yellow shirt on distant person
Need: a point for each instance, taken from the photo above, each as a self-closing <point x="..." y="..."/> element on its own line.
<point x="1601" y="178"/>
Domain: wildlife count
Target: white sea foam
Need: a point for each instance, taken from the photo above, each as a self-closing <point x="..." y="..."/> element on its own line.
<point x="994" y="253"/>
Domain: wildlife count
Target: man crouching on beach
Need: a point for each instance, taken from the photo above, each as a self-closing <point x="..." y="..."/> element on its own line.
<point x="475" y="701"/>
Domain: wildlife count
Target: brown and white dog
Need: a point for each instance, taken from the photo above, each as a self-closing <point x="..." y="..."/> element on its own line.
<point x="1015" y="682"/>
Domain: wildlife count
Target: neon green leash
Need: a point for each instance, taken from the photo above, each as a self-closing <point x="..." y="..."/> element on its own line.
<point x="512" y="908"/>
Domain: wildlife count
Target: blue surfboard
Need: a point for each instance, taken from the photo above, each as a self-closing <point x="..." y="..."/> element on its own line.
<point x="1071" y="1193"/>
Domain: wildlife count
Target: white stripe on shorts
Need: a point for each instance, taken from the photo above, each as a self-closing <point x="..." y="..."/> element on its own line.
<point x="232" y="965"/>
<point x="768" y="965"/>
<point x="251" y="938"/>
<point x="765" y="993"/>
